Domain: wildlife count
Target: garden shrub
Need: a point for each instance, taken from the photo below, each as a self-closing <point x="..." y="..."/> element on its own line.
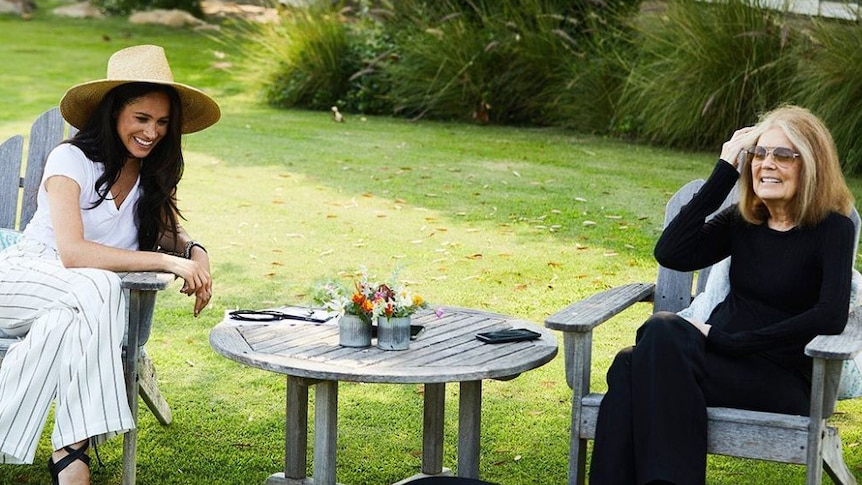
<point x="490" y="61"/>
<point x="830" y="84"/>
<point x="321" y="56"/>
<point x="126" y="7"/>
<point x="706" y="69"/>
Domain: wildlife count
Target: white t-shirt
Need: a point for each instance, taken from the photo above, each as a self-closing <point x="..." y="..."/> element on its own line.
<point x="104" y="224"/>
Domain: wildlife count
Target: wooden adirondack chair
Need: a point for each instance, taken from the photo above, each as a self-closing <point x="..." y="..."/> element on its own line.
<point x="47" y="132"/>
<point x="733" y="432"/>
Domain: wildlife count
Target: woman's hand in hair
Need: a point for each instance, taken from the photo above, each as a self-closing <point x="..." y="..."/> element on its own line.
<point x="731" y="149"/>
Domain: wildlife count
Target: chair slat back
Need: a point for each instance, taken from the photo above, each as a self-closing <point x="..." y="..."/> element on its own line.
<point x="10" y="180"/>
<point x="673" y="290"/>
<point x="46" y="133"/>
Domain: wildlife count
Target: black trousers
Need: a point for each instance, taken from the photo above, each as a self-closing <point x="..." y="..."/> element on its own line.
<point x="652" y="421"/>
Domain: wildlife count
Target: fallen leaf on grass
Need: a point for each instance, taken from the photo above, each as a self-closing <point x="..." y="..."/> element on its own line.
<point x="589" y="223"/>
<point x="475" y="256"/>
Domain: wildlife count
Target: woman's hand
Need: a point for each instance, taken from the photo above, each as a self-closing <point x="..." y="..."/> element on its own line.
<point x="731" y="148"/>
<point x="197" y="281"/>
<point x="702" y="327"/>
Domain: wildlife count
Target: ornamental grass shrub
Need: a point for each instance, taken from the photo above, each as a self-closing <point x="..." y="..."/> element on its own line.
<point x="680" y="73"/>
<point x="830" y="84"/>
<point x="319" y="56"/>
<point x="501" y="61"/>
<point x="494" y="61"/>
<point x="705" y="69"/>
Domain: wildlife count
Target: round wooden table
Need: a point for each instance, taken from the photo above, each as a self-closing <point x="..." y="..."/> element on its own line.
<point x="446" y="351"/>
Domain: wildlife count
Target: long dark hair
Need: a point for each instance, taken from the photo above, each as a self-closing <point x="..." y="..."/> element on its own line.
<point x="156" y="213"/>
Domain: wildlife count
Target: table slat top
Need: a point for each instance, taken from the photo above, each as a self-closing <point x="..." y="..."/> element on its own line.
<point x="446" y="351"/>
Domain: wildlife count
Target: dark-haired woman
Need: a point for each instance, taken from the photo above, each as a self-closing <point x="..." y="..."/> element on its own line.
<point x="107" y="203"/>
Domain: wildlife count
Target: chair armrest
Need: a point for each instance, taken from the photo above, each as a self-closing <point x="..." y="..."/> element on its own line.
<point x="148" y="281"/>
<point x="843" y="346"/>
<point x="585" y="315"/>
<point x="142" y="288"/>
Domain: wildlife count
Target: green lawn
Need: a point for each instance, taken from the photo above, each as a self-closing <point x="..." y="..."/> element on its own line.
<point x="516" y="220"/>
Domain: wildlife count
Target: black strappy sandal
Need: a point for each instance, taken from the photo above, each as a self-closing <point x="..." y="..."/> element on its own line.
<point x="79" y="454"/>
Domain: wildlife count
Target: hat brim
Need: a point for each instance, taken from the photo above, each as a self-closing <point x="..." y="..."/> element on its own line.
<point x="199" y="110"/>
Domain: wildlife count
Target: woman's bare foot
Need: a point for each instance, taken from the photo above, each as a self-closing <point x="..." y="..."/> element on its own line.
<point x="75" y="473"/>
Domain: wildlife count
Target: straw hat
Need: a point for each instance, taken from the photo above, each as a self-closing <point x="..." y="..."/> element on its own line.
<point x="142" y="63"/>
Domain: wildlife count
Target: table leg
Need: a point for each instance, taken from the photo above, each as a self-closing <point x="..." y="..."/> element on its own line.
<point x="296" y="429"/>
<point x="325" y="432"/>
<point x="432" y="428"/>
<point x="469" y="424"/>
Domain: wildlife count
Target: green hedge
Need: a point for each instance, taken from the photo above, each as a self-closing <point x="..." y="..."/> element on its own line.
<point x="685" y="75"/>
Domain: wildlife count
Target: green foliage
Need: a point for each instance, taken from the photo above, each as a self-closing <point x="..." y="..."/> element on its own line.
<point x="490" y="61"/>
<point x="830" y="81"/>
<point x="587" y="94"/>
<point x="125" y="7"/>
<point x="493" y="61"/>
<point x="310" y="50"/>
<point x="706" y="69"/>
<point x="320" y="56"/>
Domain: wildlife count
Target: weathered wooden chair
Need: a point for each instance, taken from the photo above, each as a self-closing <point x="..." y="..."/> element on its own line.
<point x="733" y="432"/>
<point x="47" y="131"/>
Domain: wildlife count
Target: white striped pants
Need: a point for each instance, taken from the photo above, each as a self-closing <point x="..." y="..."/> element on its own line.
<point x="72" y="352"/>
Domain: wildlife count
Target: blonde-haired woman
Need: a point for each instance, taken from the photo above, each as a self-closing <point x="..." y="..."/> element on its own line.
<point x="792" y="248"/>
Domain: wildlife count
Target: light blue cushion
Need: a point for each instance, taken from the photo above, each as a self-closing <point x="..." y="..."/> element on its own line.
<point x="8" y="237"/>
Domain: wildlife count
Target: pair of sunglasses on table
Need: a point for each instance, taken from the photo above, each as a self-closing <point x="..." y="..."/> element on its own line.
<point x="781" y="155"/>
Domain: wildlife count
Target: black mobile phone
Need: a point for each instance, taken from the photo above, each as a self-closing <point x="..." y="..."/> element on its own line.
<point x="509" y="335"/>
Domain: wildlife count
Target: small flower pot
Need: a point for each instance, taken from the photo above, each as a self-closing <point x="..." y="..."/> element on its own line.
<point x="353" y="332"/>
<point x="393" y="333"/>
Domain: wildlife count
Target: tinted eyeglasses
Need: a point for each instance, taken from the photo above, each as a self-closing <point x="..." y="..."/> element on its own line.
<point x="782" y="156"/>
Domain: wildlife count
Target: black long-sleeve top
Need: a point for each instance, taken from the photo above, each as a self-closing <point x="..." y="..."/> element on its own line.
<point x="785" y="287"/>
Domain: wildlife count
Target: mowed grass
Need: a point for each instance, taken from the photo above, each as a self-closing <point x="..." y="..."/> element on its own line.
<point x="520" y="221"/>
